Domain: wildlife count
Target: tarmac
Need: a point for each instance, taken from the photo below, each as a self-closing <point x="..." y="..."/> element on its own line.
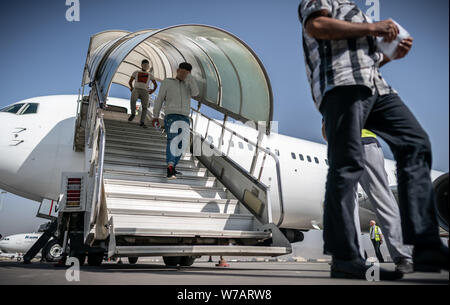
<point x="153" y="272"/>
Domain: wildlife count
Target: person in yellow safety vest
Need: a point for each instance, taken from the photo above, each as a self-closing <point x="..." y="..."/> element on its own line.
<point x="376" y="238"/>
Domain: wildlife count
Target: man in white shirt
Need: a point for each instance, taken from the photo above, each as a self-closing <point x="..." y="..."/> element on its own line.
<point x="140" y="90"/>
<point x="175" y="94"/>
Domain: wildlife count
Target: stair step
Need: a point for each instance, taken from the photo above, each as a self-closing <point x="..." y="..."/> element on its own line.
<point x="147" y="157"/>
<point x="144" y="154"/>
<point x="134" y="133"/>
<point x="138" y="138"/>
<point x="160" y="170"/>
<point x="158" y="149"/>
<point x="155" y="189"/>
<point x="180" y="222"/>
<point x="127" y="126"/>
<point x="137" y="143"/>
<point x="162" y="185"/>
<point x="174" y="204"/>
<point x="149" y="162"/>
<point x="187" y="232"/>
<point x="199" y="250"/>
<point x="151" y="177"/>
<point x="185" y="215"/>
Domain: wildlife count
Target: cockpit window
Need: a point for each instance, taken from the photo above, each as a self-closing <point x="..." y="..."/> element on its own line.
<point x="12" y="108"/>
<point x="30" y="108"/>
<point x="20" y="109"/>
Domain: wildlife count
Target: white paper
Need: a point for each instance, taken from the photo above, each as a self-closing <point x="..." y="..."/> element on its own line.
<point x="389" y="49"/>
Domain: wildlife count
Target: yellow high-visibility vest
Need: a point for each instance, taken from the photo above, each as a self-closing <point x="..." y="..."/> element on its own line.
<point x="367" y="134"/>
<point x="377" y="233"/>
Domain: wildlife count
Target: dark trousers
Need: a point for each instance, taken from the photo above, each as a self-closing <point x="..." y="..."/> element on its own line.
<point x="346" y="110"/>
<point x="376" y="246"/>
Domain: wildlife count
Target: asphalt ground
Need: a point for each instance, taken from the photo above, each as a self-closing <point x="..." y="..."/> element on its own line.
<point x="201" y="273"/>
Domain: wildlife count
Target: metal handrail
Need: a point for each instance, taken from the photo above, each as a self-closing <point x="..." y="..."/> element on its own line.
<point x="99" y="160"/>
<point x="97" y="132"/>
<point x="266" y="152"/>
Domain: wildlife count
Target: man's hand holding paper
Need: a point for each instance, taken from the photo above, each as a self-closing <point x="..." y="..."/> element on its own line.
<point x="393" y="40"/>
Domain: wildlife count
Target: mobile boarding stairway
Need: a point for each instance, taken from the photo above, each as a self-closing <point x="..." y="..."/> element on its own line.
<point x="127" y="207"/>
<point x="122" y="205"/>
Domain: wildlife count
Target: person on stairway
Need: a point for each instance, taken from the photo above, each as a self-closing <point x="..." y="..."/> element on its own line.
<point x="175" y="94"/>
<point x="140" y="90"/>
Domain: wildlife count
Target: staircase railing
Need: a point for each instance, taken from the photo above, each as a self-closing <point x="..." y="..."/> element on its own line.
<point x="95" y="141"/>
<point x="258" y="148"/>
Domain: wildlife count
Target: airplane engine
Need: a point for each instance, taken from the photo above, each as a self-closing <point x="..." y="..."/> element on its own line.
<point x="441" y="190"/>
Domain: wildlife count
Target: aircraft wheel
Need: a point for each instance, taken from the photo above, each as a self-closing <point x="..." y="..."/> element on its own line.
<point x="187" y="261"/>
<point x="133" y="260"/>
<point x="172" y="261"/>
<point x="52" y="251"/>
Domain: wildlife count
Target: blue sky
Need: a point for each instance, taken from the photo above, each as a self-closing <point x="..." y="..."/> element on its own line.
<point x="37" y="41"/>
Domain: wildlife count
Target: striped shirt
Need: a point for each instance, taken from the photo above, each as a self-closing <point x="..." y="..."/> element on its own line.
<point x="332" y="63"/>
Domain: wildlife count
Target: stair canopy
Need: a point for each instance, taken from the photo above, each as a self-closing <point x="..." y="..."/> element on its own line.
<point x="231" y="78"/>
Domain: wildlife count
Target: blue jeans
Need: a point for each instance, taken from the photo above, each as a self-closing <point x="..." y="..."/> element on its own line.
<point x="177" y="129"/>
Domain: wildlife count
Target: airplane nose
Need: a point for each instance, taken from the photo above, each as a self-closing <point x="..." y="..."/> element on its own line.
<point x="6" y="123"/>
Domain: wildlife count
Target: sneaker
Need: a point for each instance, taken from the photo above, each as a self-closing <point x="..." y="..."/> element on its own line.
<point x="171" y="173"/>
<point x="404" y="266"/>
<point x="178" y="173"/>
<point x="131" y="118"/>
<point x="143" y="125"/>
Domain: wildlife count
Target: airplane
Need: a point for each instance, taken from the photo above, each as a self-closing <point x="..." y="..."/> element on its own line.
<point x="36" y="146"/>
<point x="15" y="246"/>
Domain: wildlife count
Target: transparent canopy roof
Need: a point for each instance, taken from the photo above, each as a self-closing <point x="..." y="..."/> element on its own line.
<point x="230" y="76"/>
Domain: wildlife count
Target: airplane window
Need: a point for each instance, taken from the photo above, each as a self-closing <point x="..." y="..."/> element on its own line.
<point x="241" y="146"/>
<point x="301" y="157"/>
<point x="293" y="156"/>
<point x="309" y="158"/>
<point x="316" y="160"/>
<point x="231" y="144"/>
<point x="277" y="152"/>
<point x="12" y="108"/>
<point x="326" y="161"/>
<point x="30" y="108"/>
<point x="250" y="147"/>
<point x="210" y="139"/>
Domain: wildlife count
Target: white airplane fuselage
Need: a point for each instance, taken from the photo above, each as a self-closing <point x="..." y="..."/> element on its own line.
<point x="18" y="243"/>
<point x="36" y="148"/>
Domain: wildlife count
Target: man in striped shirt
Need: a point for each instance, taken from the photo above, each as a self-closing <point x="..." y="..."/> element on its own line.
<point x="342" y="64"/>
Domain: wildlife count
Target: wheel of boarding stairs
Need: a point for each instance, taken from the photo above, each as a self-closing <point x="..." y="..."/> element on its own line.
<point x="187" y="261"/>
<point x="172" y="261"/>
<point x="95" y="259"/>
<point x="133" y="260"/>
<point x="52" y="251"/>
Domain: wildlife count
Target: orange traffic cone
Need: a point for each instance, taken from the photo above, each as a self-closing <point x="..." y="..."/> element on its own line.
<point x="222" y="263"/>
